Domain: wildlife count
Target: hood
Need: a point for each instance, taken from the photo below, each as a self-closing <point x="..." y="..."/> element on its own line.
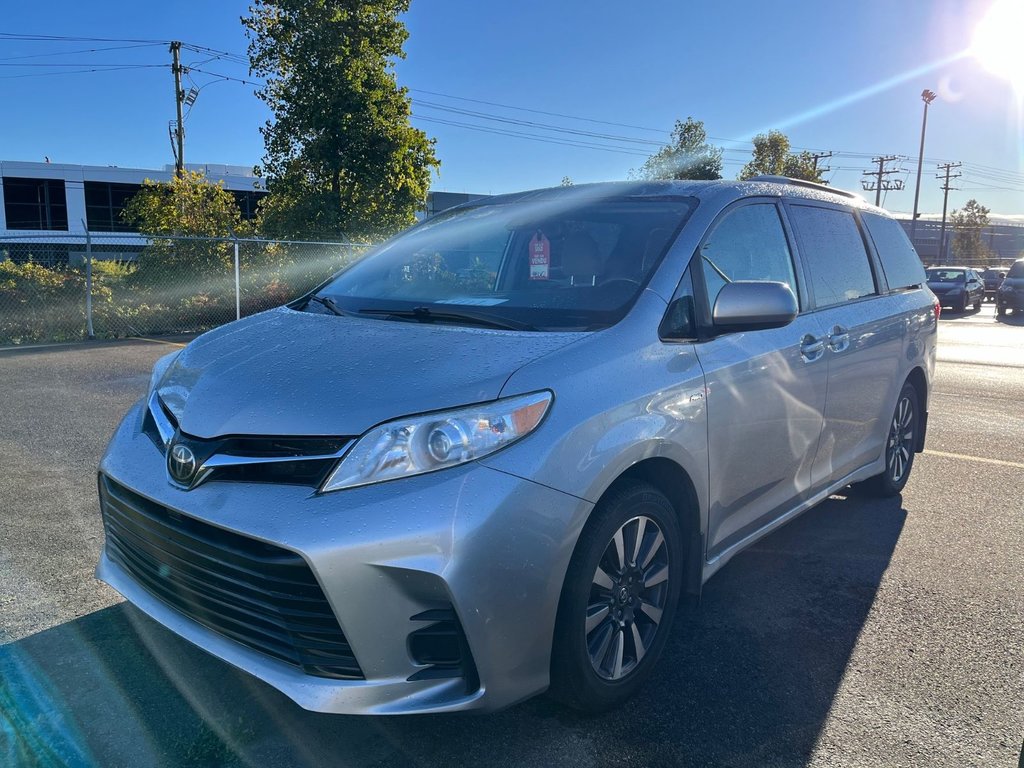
<point x="295" y="373"/>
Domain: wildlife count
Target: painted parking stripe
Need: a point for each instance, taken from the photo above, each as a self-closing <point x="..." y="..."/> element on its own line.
<point x="981" y="459"/>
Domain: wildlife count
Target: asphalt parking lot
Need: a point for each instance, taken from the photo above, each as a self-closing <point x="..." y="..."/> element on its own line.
<point x="865" y="633"/>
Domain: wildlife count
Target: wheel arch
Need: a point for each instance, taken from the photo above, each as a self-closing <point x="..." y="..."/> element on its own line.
<point x="672" y="479"/>
<point x="919" y="382"/>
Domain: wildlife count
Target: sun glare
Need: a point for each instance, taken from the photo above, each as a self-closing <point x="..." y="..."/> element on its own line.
<point x="997" y="41"/>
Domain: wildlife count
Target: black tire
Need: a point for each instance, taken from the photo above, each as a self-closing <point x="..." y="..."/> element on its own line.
<point x="602" y="632"/>
<point x="1000" y="311"/>
<point x="977" y="305"/>
<point x="900" y="444"/>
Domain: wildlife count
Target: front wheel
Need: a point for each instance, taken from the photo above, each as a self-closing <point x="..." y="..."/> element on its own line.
<point x="619" y="598"/>
<point x="900" y="445"/>
<point x="1000" y="310"/>
<point x="977" y="305"/>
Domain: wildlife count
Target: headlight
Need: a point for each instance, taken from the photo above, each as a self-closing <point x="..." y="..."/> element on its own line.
<point x="160" y="368"/>
<point x="419" y="444"/>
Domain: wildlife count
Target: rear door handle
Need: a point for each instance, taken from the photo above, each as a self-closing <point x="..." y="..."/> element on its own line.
<point x="811" y="348"/>
<point x="839" y="339"/>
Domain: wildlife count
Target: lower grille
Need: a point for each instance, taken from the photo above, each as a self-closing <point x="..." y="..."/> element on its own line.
<point x="257" y="594"/>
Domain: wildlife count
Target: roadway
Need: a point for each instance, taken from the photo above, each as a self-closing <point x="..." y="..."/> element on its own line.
<point x="865" y="633"/>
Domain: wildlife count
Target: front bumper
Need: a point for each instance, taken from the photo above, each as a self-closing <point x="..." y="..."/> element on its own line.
<point x="491" y="546"/>
<point x="1010" y="299"/>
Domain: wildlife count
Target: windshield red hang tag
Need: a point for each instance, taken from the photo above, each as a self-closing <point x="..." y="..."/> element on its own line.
<point x="540" y="257"/>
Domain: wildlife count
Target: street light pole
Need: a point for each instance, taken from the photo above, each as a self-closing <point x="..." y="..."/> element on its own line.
<point x="927" y="97"/>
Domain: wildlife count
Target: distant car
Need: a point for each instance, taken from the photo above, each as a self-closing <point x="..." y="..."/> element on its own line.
<point x="956" y="287"/>
<point x="1011" y="293"/>
<point x="992" y="278"/>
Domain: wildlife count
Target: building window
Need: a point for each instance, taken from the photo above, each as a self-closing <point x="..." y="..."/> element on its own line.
<point x="248" y="201"/>
<point x="104" y="203"/>
<point x="35" y="203"/>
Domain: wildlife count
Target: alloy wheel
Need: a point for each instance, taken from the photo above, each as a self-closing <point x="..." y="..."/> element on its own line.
<point x="628" y="595"/>
<point x="901" y="436"/>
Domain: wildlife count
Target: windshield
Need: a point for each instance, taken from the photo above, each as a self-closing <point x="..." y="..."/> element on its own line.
<point x="574" y="262"/>
<point x="947" y="275"/>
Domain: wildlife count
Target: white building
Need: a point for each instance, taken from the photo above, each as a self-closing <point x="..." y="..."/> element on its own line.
<point x="44" y="199"/>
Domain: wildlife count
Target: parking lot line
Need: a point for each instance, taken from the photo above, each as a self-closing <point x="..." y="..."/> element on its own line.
<point x="982" y="459"/>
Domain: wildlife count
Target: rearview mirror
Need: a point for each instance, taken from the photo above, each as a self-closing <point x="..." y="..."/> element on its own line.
<point x="748" y="305"/>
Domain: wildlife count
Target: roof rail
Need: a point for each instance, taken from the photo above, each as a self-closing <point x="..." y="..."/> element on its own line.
<point x="803" y="183"/>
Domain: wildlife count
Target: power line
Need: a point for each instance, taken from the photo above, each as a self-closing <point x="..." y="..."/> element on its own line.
<point x="27" y="38"/>
<point x="532" y="136"/>
<point x="81" y="71"/>
<point x="84" y="50"/>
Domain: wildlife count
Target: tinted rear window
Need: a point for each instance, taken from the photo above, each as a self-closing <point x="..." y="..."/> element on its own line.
<point x="1017" y="270"/>
<point x="900" y="261"/>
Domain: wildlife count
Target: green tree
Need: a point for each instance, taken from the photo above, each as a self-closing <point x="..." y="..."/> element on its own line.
<point x="772" y="157"/>
<point x="687" y="156"/>
<point x="189" y="204"/>
<point x="968" y="223"/>
<point x="567" y="181"/>
<point x="341" y="156"/>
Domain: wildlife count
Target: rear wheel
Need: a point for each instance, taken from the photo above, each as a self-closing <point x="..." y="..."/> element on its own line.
<point x="619" y="599"/>
<point x="1001" y="310"/>
<point x="900" y="445"/>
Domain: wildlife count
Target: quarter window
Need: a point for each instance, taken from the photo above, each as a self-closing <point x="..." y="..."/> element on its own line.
<point x="832" y="249"/>
<point x="748" y="244"/>
<point x="900" y="261"/>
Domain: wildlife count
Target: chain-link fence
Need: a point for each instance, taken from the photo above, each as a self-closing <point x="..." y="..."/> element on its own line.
<point x="73" y="287"/>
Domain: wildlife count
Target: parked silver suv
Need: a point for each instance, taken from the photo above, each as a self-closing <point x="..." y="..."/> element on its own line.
<point x="490" y="457"/>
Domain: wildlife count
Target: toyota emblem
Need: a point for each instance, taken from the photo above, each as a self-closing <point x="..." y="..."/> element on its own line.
<point x="181" y="463"/>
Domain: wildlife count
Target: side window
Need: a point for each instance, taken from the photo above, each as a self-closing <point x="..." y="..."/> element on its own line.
<point x="833" y="251"/>
<point x="900" y="262"/>
<point x="680" y="321"/>
<point x="748" y="244"/>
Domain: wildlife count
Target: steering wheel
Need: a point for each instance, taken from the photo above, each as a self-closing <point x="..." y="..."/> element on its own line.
<point x="613" y="280"/>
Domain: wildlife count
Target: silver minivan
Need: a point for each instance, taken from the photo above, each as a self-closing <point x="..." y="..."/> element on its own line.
<point x="490" y="458"/>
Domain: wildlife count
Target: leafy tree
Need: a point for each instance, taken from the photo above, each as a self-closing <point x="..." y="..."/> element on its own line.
<point x="968" y="222"/>
<point x="566" y="181"/>
<point x="341" y="156"/>
<point x="188" y="204"/>
<point x="772" y="157"/>
<point x="687" y="156"/>
<point x="185" y="274"/>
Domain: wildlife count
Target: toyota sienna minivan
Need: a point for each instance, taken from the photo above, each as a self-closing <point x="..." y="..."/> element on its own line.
<point x="489" y="458"/>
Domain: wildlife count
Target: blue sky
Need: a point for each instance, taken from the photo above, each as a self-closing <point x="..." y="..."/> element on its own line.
<point x="742" y="67"/>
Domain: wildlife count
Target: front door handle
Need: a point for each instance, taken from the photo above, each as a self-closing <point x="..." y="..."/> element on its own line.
<point x="811" y="348"/>
<point x="839" y="339"/>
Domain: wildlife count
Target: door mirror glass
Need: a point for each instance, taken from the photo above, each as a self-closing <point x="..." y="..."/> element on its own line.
<point x="749" y="305"/>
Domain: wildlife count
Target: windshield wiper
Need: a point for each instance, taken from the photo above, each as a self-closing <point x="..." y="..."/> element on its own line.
<point x="427" y="315"/>
<point x="331" y="304"/>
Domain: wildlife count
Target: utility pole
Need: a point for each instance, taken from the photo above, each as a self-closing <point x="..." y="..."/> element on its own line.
<point x="881" y="183"/>
<point x="927" y="97"/>
<point x="947" y="168"/>
<point x="816" y="156"/>
<point x="178" y="134"/>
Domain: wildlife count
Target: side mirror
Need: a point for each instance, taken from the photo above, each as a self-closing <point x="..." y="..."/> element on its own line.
<point x="748" y="305"/>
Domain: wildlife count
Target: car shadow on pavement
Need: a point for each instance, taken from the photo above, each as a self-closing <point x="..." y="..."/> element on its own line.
<point x="748" y="678"/>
